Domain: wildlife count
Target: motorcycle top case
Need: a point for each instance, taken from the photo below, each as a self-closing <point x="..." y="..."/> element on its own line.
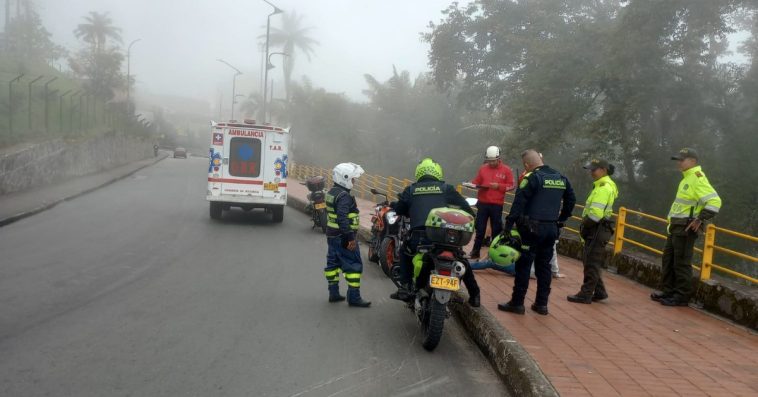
<point x="315" y="183"/>
<point x="449" y="226"/>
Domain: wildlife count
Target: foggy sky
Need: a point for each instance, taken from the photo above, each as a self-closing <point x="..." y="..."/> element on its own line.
<point x="181" y="40"/>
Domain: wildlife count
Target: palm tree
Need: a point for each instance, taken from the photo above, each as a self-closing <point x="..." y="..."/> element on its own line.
<point x="292" y="37"/>
<point x="96" y="30"/>
<point x="252" y="106"/>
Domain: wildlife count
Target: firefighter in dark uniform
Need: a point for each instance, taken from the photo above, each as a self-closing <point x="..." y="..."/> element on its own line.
<point x="696" y="202"/>
<point x="596" y="229"/>
<point x="342" y="225"/>
<point x="415" y="202"/>
<point x="544" y="200"/>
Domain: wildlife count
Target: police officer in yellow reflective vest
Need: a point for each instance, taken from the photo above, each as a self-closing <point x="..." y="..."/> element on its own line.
<point x="596" y="229"/>
<point x="342" y="226"/>
<point x="696" y="202"/>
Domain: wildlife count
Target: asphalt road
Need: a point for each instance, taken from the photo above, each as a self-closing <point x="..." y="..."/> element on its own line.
<point x="132" y="290"/>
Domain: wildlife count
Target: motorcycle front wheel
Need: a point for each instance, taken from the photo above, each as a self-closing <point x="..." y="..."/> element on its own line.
<point x="387" y="255"/>
<point x="432" y="323"/>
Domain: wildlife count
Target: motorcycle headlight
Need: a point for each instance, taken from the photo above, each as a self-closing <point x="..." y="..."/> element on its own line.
<point x="392" y="218"/>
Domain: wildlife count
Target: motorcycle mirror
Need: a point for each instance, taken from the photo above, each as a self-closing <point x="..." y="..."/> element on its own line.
<point x="373" y="191"/>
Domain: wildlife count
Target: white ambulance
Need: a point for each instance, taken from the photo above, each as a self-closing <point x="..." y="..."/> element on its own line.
<point x="248" y="167"/>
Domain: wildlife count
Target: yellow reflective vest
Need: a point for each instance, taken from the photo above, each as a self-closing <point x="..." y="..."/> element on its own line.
<point x="599" y="203"/>
<point x="694" y="195"/>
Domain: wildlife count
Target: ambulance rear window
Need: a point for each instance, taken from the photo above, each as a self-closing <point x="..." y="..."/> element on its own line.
<point x="245" y="157"/>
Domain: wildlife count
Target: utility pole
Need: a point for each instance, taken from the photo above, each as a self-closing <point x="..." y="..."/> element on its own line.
<point x="129" y="76"/>
<point x="30" y="100"/>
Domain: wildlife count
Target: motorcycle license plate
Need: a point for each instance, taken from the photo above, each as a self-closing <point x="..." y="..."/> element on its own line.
<point x="319" y="206"/>
<point x="444" y="282"/>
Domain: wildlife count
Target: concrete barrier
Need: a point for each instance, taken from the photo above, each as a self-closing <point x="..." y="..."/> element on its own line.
<point x="518" y="370"/>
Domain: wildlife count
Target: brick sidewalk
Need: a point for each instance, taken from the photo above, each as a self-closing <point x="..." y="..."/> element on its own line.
<point x="626" y="346"/>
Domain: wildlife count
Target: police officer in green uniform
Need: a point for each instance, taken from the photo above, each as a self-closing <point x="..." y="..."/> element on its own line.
<point x="544" y="200"/>
<point x="696" y="202"/>
<point x="596" y="229"/>
<point x="342" y="225"/>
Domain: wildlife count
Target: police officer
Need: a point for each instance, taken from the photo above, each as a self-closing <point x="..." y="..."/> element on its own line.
<point x="416" y="201"/>
<point x="696" y="202"/>
<point x="538" y="215"/>
<point x="342" y="224"/>
<point x="596" y="229"/>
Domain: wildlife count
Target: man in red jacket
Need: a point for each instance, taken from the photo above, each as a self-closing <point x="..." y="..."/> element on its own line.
<point x="493" y="180"/>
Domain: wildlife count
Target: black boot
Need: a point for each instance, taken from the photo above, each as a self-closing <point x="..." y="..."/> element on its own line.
<point x="354" y="298"/>
<point x="540" y="309"/>
<point x="404" y="293"/>
<point x="334" y="293"/>
<point x="658" y="296"/>
<point x="599" y="297"/>
<point x="474" y="300"/>
<point x="579" y="298"/>
<point x="509" y="307"/>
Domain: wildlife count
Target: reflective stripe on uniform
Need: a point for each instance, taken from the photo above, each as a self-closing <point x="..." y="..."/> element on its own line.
<point x="332" y="276"/>
<point x="353" y="279"/>
<point x="594" y="217"/>
<point x="685" y="201"/>
<point x="711" y="208"/>
<point x="708" y="197"/>
<point x="599" y="205"/>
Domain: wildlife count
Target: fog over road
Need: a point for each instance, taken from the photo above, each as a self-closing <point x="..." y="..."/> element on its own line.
<point x="133" y="290"/>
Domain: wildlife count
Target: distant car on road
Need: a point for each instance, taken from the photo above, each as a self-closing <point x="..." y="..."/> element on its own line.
<point x="180" y="152"/>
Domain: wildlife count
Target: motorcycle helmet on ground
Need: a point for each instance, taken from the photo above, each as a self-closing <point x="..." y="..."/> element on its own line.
<point x="344" y="173"/>
<point x="427" y="167"/>
<point x="506" y="250"/>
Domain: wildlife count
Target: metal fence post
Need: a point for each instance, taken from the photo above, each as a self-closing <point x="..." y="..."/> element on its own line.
<point x="389" y="186"/>
<point x="618" y="242"/>
<point x="710" y="241"/>
<point x="30" y="100"/>
<point x="10" y="102"/>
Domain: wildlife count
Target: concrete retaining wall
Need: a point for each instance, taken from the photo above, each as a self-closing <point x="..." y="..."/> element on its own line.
<point x="51" y="161"/>
<point x="719" y="296"/>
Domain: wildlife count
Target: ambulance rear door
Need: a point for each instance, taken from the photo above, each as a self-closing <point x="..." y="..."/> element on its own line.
<point x="244" y="155"/>
<point x="275" y="165"/>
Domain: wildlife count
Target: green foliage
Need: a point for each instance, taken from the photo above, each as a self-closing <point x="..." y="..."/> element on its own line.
<point x="292" y="38"/>
<point x="632" y="81"/>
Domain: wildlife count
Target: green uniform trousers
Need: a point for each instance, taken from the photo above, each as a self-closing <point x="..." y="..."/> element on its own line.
<point x="676" y="266"/>
<point x="594" y="256"/>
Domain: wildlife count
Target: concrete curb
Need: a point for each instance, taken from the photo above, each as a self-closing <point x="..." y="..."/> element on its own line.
<point x="47" y="206"/>
<point x="518" y="370"/>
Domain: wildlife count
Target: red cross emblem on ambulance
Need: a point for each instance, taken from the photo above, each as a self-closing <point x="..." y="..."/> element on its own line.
<point x="218" y="138"/>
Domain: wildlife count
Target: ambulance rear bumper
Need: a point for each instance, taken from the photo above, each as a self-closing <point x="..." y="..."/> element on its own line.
<point x="250" y="200"/>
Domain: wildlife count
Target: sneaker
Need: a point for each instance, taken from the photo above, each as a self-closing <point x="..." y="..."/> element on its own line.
<point x="579" y="299"/>
<point x="508" y="307"/>
<point x="539" y="309"/>
<point x="558" y="275"/>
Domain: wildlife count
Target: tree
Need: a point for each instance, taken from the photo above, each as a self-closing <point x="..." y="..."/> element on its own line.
<point x="96" y="31"/>
<point x="292" y="38"/>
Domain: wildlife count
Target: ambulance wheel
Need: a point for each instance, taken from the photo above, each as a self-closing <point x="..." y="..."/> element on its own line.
<point x="278" y="214"/>
<point x="216" y="210"/>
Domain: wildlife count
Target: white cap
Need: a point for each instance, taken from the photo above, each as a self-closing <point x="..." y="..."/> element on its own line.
<point x="493" y="153"/>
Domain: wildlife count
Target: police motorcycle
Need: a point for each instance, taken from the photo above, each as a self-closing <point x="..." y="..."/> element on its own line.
<point x="387" y="232"/>
<point x="316" y="201"/>
<point x="442" y="261"/>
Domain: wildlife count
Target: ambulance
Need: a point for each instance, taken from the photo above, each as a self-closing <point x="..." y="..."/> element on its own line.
<point x="248" y="167"/>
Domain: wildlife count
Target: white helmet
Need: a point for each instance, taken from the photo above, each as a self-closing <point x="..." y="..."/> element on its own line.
<point x="493" y="153"/>
<point x="344" y="173"/>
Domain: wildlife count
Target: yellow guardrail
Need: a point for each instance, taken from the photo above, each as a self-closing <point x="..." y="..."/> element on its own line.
<point x="393" y="186"/>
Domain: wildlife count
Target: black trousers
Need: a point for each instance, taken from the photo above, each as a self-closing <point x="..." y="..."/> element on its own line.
<point x="484" y="213"/>
<point x="540" y="252"/>
<point x="593" y="258"/>
<point x="676" y="265"/>
<point x="408" y="251"/>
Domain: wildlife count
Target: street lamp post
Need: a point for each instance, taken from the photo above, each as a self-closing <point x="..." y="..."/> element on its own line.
<point x="234" y="84"/>
<point x="128" y="74"/>
<point x="265" y="73"/>
<point x="270" y="66"/>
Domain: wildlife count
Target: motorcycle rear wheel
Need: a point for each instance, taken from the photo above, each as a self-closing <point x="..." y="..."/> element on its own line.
<point x="322" y="220"/>
<point x="433" y="323"/>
